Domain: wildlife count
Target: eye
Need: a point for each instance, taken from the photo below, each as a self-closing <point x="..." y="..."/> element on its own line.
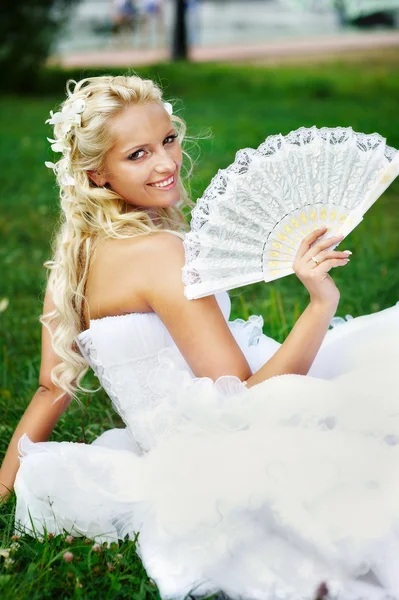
<point x="135" y="155"/>
<point x="171" y="138"/>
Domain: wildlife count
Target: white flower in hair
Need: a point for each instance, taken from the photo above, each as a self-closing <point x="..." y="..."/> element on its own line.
<point x="69" y="116"/>
<point x="168" y="107"/>
<point x="62" y="170"/>
<point x="58" y="145"/>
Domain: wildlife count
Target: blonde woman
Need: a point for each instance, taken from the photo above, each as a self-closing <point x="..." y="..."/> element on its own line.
<point x="246" y="466"/>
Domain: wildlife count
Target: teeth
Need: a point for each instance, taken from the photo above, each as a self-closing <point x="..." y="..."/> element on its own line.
<point x="163" y="183"/>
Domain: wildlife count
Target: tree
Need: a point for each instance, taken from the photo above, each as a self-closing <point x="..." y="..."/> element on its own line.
<point x="180" y="43"/>
<point x="28" y="30"/>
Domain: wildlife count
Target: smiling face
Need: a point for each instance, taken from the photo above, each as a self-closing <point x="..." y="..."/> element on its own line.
<point x="144" y="164"/>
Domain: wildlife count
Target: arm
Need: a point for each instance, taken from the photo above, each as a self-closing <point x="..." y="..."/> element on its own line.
<point x="297" y="353"/>
<point x="199" y="328"/>
<point x="41" y="415"/>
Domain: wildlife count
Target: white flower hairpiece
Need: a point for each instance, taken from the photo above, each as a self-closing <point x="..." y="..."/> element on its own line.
<point x="63" y="170"/>
<point x="168" y="107"/>
<point x="69" y="116"/>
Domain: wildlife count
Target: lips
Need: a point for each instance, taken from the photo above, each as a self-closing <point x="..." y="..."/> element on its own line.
<point x="168" y="182"/>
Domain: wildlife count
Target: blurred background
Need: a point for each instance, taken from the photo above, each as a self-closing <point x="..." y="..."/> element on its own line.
<point x="118" y="33"/>
<point x="107" y="25"/>
<point x="149" y="23"/>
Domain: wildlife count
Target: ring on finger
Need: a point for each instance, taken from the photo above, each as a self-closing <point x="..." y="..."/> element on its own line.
<point x="315" y="259"/>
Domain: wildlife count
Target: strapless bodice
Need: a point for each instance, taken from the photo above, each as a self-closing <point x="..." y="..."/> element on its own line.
<point x="128" y="352"/>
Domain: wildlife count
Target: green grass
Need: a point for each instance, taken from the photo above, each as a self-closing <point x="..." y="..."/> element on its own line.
<point x="241" y="106"/>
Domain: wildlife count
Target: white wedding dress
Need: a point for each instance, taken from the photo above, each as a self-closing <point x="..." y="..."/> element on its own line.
<point x="260" y="493"/>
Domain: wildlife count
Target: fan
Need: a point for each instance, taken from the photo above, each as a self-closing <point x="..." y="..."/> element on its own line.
<point x="252" y="217"/>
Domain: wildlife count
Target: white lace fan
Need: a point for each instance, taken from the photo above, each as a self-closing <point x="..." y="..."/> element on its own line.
<point x="249" y="223"/>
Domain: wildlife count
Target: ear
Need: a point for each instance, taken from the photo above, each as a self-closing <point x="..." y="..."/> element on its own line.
<point x="98" y="179"/>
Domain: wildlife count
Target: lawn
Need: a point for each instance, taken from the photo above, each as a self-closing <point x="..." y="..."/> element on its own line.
<point x="240" y="106"/>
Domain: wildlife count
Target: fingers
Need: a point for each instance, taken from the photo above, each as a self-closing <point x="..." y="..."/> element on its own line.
<point x="326" y="243"/>
<point x="321" y="250"/>
<point x="329" y="254"/>
<point x="310" y="247"/>
<point x="332" y="262"/>
<point x="308" y="241"/>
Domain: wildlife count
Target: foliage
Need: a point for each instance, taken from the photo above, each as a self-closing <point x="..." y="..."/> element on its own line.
<point x="28" y="29"/>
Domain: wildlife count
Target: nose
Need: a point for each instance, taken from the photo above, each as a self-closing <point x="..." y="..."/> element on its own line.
<point x="164" y="163"/>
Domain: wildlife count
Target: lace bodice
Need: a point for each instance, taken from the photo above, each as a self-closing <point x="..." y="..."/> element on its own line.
<point x="130" y="353"/>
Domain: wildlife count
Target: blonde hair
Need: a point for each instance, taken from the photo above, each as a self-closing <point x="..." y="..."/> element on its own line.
<point x="90" y="213"/>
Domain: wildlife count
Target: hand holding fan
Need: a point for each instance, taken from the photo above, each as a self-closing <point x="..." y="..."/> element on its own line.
<point x="252" y="217"/>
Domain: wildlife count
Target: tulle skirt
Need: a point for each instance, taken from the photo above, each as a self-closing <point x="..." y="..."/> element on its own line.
<point x="264" y="493"/>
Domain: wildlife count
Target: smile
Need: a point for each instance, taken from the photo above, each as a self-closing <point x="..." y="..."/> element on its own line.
<point x="165" y="183"/>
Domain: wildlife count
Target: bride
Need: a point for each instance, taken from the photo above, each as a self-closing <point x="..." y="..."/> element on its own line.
<point x="249" y="467"/>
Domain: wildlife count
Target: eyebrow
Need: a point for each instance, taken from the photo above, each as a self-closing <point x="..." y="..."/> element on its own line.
<point x="173" y="129"/>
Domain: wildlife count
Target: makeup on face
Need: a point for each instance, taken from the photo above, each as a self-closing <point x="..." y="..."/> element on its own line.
<point x="144" y="164"/>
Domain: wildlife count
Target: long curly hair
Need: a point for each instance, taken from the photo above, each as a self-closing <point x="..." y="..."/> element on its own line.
<point x="90" y="213"/>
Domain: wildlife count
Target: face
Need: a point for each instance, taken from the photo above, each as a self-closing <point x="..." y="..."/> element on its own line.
<point x="144" y="164"/>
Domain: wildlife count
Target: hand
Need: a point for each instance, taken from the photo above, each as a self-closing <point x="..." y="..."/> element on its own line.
<point x="315" y="277"/>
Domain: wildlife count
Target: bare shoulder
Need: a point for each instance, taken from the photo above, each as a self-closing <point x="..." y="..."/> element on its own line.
<point x="157" y="260"/>
<point x="158" y="241"/>
<point x="163" y="249"/>
<point x="162" y="256"/>
<point x="142" y="254"/>
<point x="120" y="269"/>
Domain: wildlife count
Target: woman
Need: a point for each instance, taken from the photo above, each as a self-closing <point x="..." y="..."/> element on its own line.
<point x="247" y="466"/>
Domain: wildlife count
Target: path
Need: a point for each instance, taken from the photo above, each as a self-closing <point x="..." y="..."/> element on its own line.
<point x="276" y="50"/>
